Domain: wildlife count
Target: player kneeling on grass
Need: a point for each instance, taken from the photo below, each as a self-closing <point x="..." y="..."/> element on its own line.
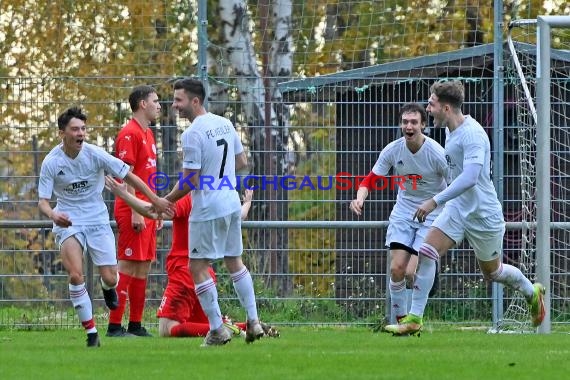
<point x="74" y="172"/>
<point x="180" y="313"/>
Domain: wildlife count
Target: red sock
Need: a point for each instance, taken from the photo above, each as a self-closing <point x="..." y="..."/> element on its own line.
<point x="116" y="316"/>
<point x="190" y="329"/>
<point x="137" y="297"/>
<point x="88" y="325"/>
<point x="241" y="325"/>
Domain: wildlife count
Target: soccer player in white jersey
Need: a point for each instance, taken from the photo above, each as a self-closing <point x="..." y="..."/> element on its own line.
<point x="471" y="210"/>
<point x="212" y="152"/>
<point x="418" y="162"/>
<point x="74" y="172"/>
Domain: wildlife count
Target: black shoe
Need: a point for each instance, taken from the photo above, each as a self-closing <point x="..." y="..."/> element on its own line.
<point x="111" y="298"/>
<point x="119" y="333"/>
<point x="93" y="340"/>
<point x="141" y="331"/>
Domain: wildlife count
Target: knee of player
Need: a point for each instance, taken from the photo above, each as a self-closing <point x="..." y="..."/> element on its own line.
<point x="164" y="327"/>
<point x="397" y="271"/>
<point x="489" y="276"/>
<point x="109" y="279"/>
<point x="76" y="278"/>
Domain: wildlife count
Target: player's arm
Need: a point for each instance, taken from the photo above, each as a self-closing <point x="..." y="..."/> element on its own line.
<point x="189" y="181"/>
<point x="464" y="181"/>
<point x="60" y="219"/>
<point x="137" y="220"/>
<point x="161" y="205"/>
<point x="246" y="205"/>
<point x="45" y="191"/>
<point x="142" y="207"/>
<point x="363" y="190"/>
<point x="241" y="162"/>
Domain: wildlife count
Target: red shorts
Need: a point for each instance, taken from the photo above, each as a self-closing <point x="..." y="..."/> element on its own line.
<point x="136" y="246"/>
<point x="179" y="301"/>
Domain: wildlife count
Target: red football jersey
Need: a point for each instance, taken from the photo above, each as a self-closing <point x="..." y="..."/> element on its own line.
<point x="137" y="148"/>
<point x="180" y="227"/>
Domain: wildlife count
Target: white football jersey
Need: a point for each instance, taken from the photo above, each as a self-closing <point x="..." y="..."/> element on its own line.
<point x="78" y="183"/>
<point x="469" y="144"/>
<point x="210" y="145"/>
<point x="424" y="174"/>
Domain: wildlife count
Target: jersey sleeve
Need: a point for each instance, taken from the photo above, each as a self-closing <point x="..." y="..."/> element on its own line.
<point x="369" y="181"/>
<point x="191" y="151"/>
<point x="111" y="164"/>
<point x="474" y="150"/>
<point x="384" y="162"/>
<point x="45" y="185"/>
<point x="127" y="148"/>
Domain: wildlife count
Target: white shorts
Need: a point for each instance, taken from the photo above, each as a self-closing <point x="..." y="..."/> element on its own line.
<point x="485" y="235"/>
<point x="216" y="238"/>
<point x="410" y="233"/>
<point x="98" y="240"/>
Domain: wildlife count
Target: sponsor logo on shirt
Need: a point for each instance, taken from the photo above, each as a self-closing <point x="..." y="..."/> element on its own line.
<point x="151" y="163"/>
<point x="122" y="154"/>
<point x="61" y="172"/>
<point x="417" y="178"/>
<point x="77" y="188"/>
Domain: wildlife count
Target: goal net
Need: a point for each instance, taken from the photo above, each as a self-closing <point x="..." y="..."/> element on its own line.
<point x="520" y="101"/>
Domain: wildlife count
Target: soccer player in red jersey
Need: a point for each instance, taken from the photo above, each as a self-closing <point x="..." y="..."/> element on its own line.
<point x="135" y="145"/>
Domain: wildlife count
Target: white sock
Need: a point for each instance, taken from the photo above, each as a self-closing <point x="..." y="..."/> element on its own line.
<point x="425" y="275"/>
<point x="82" y="305"/>
<point x="398" y="304"/>
<point x="208" y="296"/>
<point x="243" y="284"/>
<point x="512" y="277"/>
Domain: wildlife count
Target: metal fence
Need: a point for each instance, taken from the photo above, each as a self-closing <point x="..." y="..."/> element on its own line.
<point x="34" y="295"/>
<point x="312" y="260"/>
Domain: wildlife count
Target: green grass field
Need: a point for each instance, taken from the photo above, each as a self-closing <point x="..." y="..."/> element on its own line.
<point x="300" y="353"/>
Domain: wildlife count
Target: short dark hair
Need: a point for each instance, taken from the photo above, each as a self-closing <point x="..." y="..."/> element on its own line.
<point x="192" y="87"/>
<point x="139" y="93"/>
<point x="414" y="107"/>
<point x="70" y="113"/>
<point x="450" y="92"/>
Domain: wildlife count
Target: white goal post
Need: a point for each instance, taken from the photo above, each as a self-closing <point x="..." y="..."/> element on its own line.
<point x="539" y="67"/>
<point x="543" y="195"/>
